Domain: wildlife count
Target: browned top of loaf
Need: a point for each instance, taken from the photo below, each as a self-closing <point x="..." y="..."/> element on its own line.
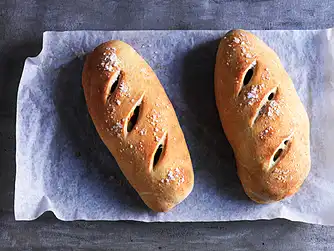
<point x="262" y="116"/>
<point x="117" y="80"/>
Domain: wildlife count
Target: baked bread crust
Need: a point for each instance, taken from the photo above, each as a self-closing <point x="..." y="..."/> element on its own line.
<point x="262" y="117"/>
<point x="137" y="122"/>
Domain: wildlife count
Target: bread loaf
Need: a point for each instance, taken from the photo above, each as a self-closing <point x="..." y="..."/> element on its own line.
<point x="262" y="117"/>
<point x="137" y="122"/>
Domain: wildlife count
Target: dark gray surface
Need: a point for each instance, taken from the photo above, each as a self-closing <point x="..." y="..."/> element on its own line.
<point x="21" y="27"/>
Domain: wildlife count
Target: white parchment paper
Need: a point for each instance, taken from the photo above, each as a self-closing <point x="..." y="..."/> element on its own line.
<point x="63" y="166"/>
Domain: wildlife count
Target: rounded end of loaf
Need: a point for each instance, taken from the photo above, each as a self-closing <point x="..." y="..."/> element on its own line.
<point x="162" y="203"/>
<point x="266" y="184"/>
<point x="268" y="196"/>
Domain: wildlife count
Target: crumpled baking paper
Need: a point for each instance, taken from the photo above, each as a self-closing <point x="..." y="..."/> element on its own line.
<point x="63" y="166"/>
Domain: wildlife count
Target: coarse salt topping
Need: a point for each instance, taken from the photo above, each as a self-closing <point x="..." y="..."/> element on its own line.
<point x="142" y="131"/>
<point x="123" y="88"/>
<point x="266" y="74"/>
<point x="248" y="55"/>
<point x="252" y="95"/>
<point x="110" y="62"/>
<point x="236" y="40"/>
<point x="118" y="125"/>
<point x="273" y="109"/>
<point x="174" y="175"/>
<point x="281" y="175"/>
<point x="117" y="129"/>
<point x="170" y="175"/>
<point x="154" y="119"/>
<point x="266" y="132"/>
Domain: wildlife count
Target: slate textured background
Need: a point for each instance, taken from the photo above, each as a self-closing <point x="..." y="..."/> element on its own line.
<point x="22" y="23"/>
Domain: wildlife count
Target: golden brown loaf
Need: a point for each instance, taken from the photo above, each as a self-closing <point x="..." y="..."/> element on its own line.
<point x="138" y="124"/>
<point x="262" y="117"/>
